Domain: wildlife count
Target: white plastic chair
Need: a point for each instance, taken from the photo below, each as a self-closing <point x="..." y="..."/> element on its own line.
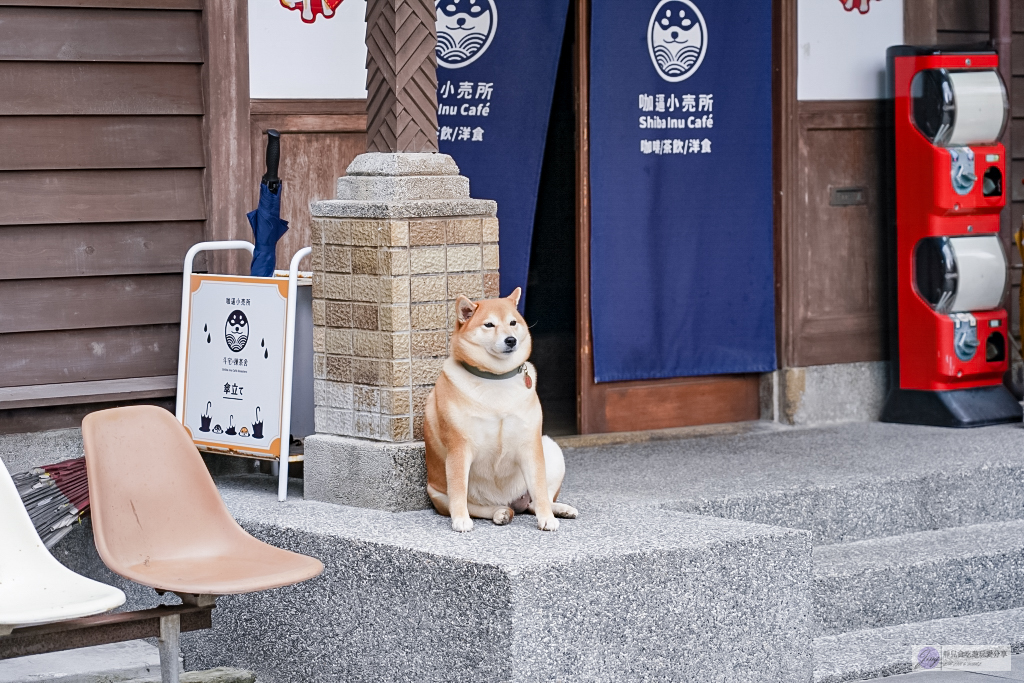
<point x="34" y="587"/>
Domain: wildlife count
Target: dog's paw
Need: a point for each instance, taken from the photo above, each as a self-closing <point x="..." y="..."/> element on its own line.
<point x="564" y="511"/>
<point x="547" y="523"/>
<point x="462" y="524"/>
<point x="503" y="516"/>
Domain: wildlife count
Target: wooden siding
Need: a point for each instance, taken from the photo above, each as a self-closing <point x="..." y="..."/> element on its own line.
<point x="830" y="258"/>
<point x="967" y="21"/>
<point x="838" y="292"/>
<point x="319" y="138"/>
<point x="104" y="187"/>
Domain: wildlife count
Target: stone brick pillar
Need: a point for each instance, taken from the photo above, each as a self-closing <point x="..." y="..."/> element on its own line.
<point x="390" y="254"/>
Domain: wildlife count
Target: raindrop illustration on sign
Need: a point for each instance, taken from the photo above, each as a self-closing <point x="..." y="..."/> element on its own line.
<point x="204" y="329"/>
<point x="207" y="339"/>
<point x="261" y="342"/>
<point x="266" y="354"/>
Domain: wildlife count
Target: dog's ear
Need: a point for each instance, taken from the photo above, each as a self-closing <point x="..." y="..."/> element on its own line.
<point x="465" y="308"/>
<point x="514" y="296"/>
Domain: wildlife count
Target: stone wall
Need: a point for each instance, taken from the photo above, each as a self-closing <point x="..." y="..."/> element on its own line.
<point x="383" y="309"/>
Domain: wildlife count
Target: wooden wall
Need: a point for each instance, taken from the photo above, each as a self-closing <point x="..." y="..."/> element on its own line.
<point x="832" y="297"/>
<point x="102" y="188"/>
<point x="838" y="264"/>
<point x="829" y="255"/>
<point x="319" y="138"/>
<point x="967" y="21"/>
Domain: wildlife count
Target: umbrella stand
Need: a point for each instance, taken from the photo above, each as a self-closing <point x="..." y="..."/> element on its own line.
<point x="55" y="496"/>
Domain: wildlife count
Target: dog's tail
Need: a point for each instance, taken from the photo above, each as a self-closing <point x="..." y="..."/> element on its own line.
<point x="551" y="448"/>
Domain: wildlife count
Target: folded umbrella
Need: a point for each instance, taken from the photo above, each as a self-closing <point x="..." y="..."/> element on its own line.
<point x="267" y="226"/>
<point x="56" y="496"/>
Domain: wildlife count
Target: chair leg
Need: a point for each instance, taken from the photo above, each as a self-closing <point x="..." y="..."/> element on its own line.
<point x="170" y="628"/>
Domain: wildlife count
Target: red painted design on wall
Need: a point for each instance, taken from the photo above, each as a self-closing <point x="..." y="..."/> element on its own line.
<point x="309" y="9"/>
<point x="862" y="6"/>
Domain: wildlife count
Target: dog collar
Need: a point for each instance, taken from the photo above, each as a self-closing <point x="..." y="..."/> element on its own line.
<point x="491" y="375"/>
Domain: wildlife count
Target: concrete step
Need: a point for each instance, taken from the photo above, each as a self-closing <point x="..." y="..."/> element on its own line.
<point x="887" y="651"/>
<point x="218" y="675"/>
<point x="1016" y="673"/>
<point x="101" y="664"/>
<point x="918" y="577"/>
<point x="620" y="594"/>
<point x="638" y="588"/>
<point x="842" y="483"/>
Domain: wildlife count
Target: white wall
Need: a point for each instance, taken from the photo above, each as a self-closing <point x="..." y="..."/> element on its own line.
<point x="289" y="59"/>
<point x="842" y="54"/>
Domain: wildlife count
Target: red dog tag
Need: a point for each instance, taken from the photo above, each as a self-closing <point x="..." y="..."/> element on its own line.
<point x="529" y="382"/>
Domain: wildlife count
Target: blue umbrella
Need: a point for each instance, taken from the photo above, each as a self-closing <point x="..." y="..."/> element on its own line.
<point x="267" y="226"/>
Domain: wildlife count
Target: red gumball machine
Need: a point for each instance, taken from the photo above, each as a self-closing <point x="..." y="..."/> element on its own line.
<point x="950" y="345"/>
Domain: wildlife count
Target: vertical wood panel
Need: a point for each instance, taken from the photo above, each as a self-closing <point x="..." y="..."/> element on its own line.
<point x="961" y="15"/>
<point x="840" y="263"/>
<point x="318" y="141"/>
<point x="786" y="136"/>
<point x="589" y="408"/>
<point x="920" y="18"/>
<point x="226" y="86"/>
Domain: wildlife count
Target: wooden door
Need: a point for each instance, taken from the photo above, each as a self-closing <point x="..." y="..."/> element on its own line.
<point x="645" y="404"/>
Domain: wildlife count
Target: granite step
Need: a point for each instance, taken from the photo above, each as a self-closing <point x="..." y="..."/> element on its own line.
<point x="842" y="483"/>
<point x="873" y="653"/>
<point x="111" y="663"/>
<point x="620" y="594"/>
<point x="918" y="577"/>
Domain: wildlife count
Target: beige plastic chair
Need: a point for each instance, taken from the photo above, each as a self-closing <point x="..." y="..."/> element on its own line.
<point x="158" y="518"/>
<point x="159" y="521"/>
<point x="34" y="587"/>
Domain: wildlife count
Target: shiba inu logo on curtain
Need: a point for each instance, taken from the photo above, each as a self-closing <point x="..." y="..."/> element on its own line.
<point x="677" y="38"/>
<point x="309" y="9"/>
<point x="862" y="6"/>
<point x="465" y="29"/>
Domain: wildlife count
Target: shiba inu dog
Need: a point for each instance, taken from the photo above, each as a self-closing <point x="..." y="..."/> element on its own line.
<point x="486" y="457"/>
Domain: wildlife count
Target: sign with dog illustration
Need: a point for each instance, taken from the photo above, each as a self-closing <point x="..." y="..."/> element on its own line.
<point x="682" y="280"/>
<point x="234" y="364"/>
<point x="496" y="67"/>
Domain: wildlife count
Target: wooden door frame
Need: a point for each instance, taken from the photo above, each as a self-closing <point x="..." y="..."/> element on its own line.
<point x="640" y="404"/>
<point x="226" y="127"/>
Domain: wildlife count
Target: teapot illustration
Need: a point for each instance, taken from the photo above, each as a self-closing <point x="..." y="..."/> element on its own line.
<point x="217" y="429"/>
<point x="205" y="418"/>
<point x="257" y="426"/>
<point x="230" y="431"/>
